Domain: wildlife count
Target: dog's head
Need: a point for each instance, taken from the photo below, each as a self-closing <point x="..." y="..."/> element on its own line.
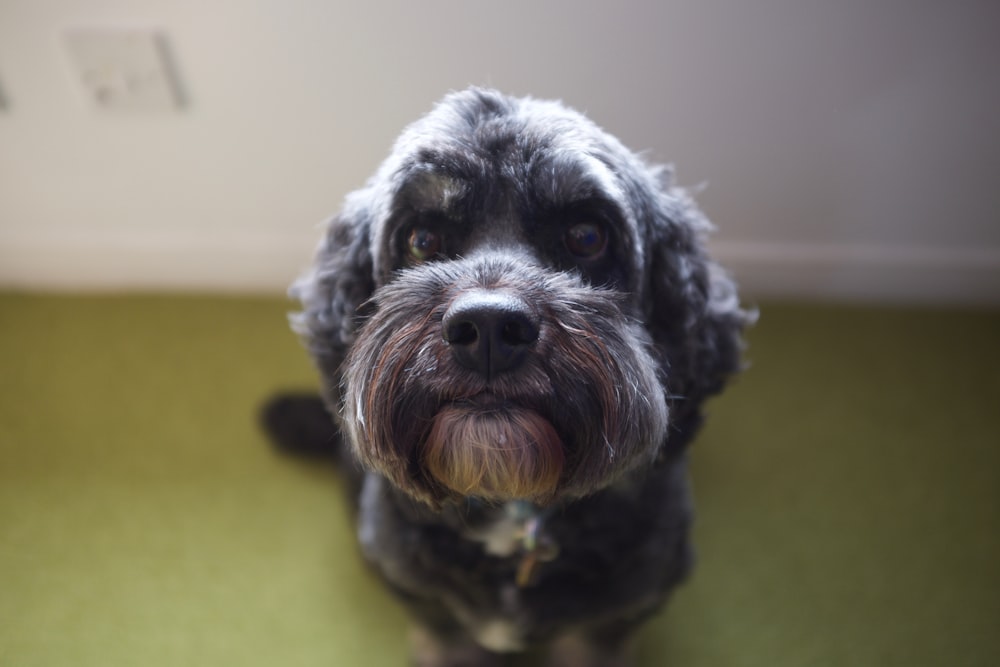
<point x="516" y="307"/>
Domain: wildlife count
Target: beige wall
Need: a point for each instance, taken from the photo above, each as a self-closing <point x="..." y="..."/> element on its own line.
<point x="851" y="147"/>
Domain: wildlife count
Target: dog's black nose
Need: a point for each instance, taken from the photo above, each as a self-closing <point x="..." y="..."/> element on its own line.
<point x="488" y="331"/>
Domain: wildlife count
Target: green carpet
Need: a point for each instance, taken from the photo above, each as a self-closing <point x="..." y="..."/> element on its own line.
<point x="848" y="492"/>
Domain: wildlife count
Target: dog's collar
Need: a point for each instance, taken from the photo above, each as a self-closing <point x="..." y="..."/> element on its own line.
<point x="515" y="531"/>
<point x="534" y="544"/>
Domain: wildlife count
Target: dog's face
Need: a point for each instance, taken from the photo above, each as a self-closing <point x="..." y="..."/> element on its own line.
<point x="515" y="307"/>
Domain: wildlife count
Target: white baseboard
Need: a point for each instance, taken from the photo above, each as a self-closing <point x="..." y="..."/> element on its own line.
<point x="864" y="273"/>
<point x="268" y="263"/>
<point x="210" y="262"/>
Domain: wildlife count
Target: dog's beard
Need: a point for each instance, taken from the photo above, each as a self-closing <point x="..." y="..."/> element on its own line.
<point x="496" y="454"/>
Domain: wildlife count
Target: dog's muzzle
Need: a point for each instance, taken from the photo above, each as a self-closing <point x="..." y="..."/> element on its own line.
<point x="496" y="378"/>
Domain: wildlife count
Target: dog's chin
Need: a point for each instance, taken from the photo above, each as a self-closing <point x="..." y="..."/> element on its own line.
<point x="499" y="454"/>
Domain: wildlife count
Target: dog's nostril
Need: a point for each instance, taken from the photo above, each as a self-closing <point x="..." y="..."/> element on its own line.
<point x="462" y="332"/>
<point x="489" y="332"/>
<point x="518" y="331"/>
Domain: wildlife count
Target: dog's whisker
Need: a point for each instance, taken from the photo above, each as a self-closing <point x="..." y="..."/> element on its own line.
<point x="610" y="449"/>
<point x="359" y="412"/>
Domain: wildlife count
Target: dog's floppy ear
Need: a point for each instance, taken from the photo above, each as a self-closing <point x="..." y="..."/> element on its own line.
<point x="333" y="291"/>
<point x="694" y="311"/>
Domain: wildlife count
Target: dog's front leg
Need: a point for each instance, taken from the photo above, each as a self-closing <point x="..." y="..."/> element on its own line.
<point x="430" y="649"/>
<point x="602" y="649"/>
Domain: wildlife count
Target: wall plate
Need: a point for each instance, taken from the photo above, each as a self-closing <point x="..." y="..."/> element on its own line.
<point x="124" y="69"/>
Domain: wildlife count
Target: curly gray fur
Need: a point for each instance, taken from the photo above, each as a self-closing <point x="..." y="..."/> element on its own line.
<point x="630" y="344"/>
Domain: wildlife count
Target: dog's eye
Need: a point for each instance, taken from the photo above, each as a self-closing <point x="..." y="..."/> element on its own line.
<point x="586" y="240"/>
<point x="423" y="244"/>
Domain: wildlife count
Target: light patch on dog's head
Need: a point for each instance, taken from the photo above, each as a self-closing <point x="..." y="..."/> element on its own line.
<point x="431" y="190"/>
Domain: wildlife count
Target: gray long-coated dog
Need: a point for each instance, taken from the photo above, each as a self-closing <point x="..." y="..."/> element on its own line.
<point x="516" y="325"/>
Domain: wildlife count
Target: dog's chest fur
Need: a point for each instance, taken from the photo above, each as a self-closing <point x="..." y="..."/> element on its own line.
<point x="619" y="551"/>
